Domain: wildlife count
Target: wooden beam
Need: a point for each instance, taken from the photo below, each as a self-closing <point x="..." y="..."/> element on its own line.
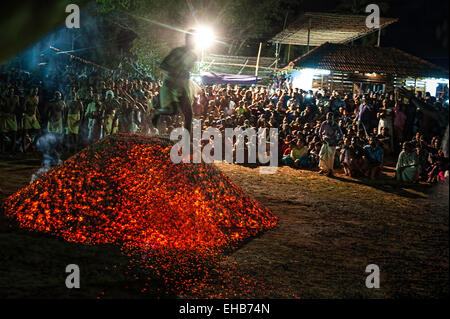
<point x="241" y="65"/>
<point x="309" y="32"/>
<point x="379" y="37"/>
<point x="289" y="53"/>
<point x="257" y="60"/>
<point x="277" y="54"/>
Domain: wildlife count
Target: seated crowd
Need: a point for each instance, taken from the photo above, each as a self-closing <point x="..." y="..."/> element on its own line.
<point x="360" y="131"/>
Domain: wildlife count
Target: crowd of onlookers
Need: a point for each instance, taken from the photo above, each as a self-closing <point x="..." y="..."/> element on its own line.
<point x="79" y="107"/>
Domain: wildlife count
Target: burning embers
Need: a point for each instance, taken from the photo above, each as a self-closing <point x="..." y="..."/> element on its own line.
<point x="125" y="190"/>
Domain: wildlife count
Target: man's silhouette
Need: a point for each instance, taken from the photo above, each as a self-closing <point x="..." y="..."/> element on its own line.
<point x="175" y="93"/>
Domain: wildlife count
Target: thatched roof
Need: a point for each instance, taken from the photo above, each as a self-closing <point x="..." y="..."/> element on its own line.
<point x="327" y="27"/>
<point x="348" y="58"/>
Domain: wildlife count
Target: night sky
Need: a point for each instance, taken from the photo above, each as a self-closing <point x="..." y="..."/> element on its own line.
<point x="415" y="32"/>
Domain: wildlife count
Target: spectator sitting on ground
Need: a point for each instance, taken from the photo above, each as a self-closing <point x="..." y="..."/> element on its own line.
<point x="407" y="167"/>
<point x="289" y="145"/>
<point x="357" y="161"/>
<point x="314" y="157"/>
<point x="423" y="156"/>
<point x="298" y="157"/>
<point x="438" y="164"/>
<point x="374" y="158"/>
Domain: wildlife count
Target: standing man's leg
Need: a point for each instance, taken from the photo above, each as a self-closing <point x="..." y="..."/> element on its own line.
<point x="169" y="103"/>
<point x="186" y="108"/>
<point x="13" y="141"/>
<point x="331" y="160"/>
<point x="2" y="142"/>
<point x="171" y="110"/>
<point x="24" y="139"/>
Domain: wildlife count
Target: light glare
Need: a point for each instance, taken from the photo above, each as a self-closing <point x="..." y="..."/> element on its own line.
<point x="204" y="37"/>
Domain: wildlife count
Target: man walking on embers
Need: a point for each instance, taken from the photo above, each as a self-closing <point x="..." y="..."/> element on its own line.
<point x="175" y="93"/>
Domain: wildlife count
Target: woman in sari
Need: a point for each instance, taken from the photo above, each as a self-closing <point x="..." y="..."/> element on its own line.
<point x="408" y="164"/>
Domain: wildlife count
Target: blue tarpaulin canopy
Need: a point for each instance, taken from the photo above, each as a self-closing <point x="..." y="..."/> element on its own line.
<point x="210" y="78"/>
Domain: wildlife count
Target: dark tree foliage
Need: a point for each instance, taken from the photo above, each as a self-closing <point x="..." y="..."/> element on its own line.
<point x="23" y="22"/>
<point x="238" y="24"/>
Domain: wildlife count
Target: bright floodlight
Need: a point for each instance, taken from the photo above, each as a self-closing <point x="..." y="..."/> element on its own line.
<point x="204" y="38"/>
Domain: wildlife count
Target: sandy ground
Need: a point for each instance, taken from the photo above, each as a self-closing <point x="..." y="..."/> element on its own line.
<point x="329" y="231"/>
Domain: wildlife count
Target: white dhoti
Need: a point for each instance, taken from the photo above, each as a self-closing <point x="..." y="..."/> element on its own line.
<point x="91" y="126"/>
<point x="326" y="155"/>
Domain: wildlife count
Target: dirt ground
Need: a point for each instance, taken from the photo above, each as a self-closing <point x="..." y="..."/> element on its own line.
<point x="329" y="230"/>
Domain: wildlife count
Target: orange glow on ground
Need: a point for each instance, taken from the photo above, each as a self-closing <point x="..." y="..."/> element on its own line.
<point x="125" y="190"/>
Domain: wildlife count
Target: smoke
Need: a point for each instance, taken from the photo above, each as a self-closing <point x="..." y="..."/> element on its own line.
<point x="48" y="144"/>
<point x="38" y="57"/>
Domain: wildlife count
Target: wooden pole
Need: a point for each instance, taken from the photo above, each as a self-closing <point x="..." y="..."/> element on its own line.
<point x="257" y="60"/>
<point x="240" y="65"/>
<point x="379" y="37"/>
<point x="332" y="81"/>
<point x="277" y="54"/>
<point x="289" y="53"/>
<point x="240" y="71"/>
<point x="309" y="32"/>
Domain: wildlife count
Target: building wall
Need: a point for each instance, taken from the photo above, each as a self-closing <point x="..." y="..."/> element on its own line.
<point x="355" y="82"/>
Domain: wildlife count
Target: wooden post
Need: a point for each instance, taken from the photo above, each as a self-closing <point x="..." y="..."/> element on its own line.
<point x="309" y="33"/>
<point x="245" y="64"/>
<point x="379" y="37"/>
<point x="289" y="53"/>
<point x="332" y="81"/>
<point x="277" y="54"/>
<point x="257" y="59"/>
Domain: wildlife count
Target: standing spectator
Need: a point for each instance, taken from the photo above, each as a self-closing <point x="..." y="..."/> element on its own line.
<point x="364" y="115"/>
<point x="30" y="122"/>
<point x="399" y="123"/>
<point x="56" y="117"/>
<point x="385" y="120"/>
<point x="74" y="120"/>
<point x="329" y="133"/>
<point x="109" y="124"/>
<point x="93" y="115"/>
<point x="8" y="121"/>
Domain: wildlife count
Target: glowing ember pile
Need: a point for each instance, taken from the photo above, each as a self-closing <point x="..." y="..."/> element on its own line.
<point x="125" y="190"/>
